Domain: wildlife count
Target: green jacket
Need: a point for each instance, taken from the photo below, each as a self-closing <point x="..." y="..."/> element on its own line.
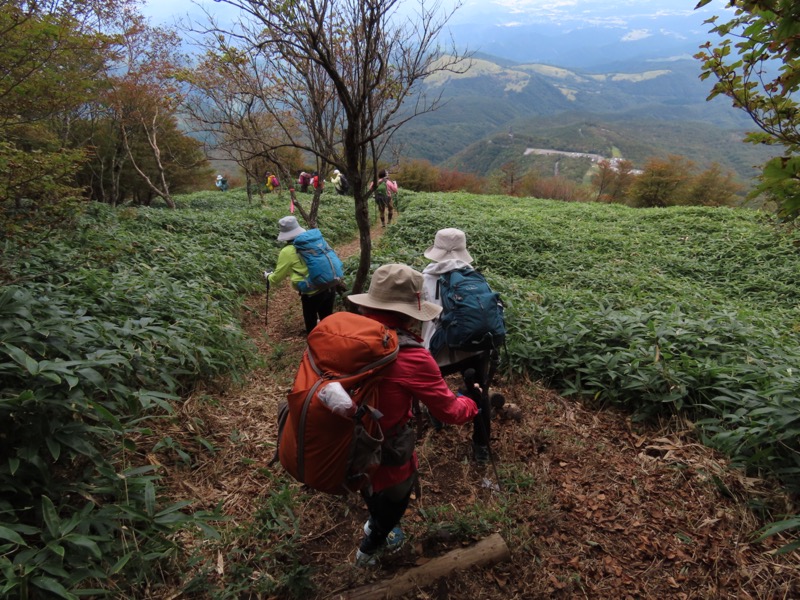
<point x="289" y="265"/>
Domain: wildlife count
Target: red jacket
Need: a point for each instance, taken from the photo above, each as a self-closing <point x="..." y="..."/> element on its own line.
<point x="414" y="375"/>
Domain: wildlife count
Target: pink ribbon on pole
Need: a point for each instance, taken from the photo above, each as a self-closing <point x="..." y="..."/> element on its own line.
<point x="291" y="205"/>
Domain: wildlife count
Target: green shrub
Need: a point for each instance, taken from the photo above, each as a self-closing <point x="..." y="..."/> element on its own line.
<point x="657" y="310"/>
<point x="100" y="333"/>
<point x="263" y="555"/>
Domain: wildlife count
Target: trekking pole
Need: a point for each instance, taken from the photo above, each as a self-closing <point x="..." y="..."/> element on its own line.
<point x="470" y="376"/>
<point x="266" y="299"/>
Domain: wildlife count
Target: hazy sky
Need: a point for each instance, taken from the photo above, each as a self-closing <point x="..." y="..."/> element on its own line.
<point x="509" y="12"/>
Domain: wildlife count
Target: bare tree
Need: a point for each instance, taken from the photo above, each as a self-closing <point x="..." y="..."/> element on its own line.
<point x="225" y="103"/>
<point x="348" y="73"/>
<point x="145" y="98"/>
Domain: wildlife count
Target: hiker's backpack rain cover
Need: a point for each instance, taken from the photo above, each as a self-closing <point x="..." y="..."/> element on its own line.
<point x="324" y="267"/>
<point x="318" y="447"/>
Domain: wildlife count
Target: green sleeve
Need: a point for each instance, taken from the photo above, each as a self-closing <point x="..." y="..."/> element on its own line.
<point x="287" y="263"/>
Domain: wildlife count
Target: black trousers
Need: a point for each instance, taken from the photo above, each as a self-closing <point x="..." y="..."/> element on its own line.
<point x="386" y="508"/>
<point x="481" y="425"/>
<point x="383" y="203"/>
<point x="317" y="307"/>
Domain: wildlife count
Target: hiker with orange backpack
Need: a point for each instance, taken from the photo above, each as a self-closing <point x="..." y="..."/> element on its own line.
<point x="394" y="299"/>
<point x="317" y="297"/>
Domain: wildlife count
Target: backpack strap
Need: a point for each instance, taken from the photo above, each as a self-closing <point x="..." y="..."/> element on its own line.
<point x="283" y="413"/>
<point x="408" y="340"/>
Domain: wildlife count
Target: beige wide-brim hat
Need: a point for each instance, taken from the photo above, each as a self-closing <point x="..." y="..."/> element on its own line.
<point x="397" y="288"/>
<point x="289" y="229"/>
<point x="449" y="243"/>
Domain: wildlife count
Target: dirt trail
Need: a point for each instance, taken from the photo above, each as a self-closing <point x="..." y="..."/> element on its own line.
<point x="592" y="505"/>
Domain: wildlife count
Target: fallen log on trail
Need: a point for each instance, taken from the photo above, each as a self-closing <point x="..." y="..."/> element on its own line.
<point x="486" y="552"/>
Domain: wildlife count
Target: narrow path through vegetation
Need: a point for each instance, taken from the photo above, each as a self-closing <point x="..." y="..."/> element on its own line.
<point x="591" y="505"/>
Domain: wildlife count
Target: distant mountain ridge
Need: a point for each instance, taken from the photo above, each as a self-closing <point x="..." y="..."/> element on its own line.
<point x="664" y="100"/>
<point x="610" y="137"/>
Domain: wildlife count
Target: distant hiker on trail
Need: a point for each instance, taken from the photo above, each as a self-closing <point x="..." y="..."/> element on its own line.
<point x="272" y="183"/>
<point x="449" y="253"/>
<point x="316" y="182"/>
<point x="304" y="181"/>
<point x="383" y="195"/>
<point x="317" y="303"/>
<point x="394" y="299"/>
<point x="340" y="182"/>
<point x="221" y="183"/>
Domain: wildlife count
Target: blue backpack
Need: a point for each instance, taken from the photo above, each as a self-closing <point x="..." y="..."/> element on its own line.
<point x="472" y="314"/>
<point x="324" y="267"/>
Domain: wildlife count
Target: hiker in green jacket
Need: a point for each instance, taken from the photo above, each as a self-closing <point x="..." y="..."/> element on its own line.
<point x="317" y="304"/>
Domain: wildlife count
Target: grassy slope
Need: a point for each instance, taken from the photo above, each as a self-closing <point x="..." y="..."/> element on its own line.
<point x="568" y="272"/>
<point x="655" y="310"/>
<point x="590" y="500"/>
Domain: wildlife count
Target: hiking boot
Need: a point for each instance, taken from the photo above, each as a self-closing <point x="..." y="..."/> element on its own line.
<point x="497" y="401"/>
<point x="480" y="453"/>
<point x="365" y="560"/>
<point x="394" y="541"/>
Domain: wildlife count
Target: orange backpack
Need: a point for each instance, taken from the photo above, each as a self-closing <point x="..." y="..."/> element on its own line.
<point x="318" y="447"/>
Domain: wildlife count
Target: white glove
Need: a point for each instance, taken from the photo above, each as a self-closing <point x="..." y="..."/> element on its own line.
<point x="267" y="274"/>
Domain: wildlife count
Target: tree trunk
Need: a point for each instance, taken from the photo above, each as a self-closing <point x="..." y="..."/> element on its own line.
<point x="117" y="161"/>
<point x="315" y="200"/>
<point x="486" y="552"/>
<point x="300" y="209"/>
<point x="152" y="140"/>
<point x="362" y="220"/>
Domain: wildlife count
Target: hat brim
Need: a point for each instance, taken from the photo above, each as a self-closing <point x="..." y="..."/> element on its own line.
<point x="438" y="254"/>
<point x="426" y="311"/>
<point x="286" y="236"/>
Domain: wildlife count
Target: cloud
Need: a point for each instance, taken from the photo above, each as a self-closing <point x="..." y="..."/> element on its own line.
<point x="673" y="34"/>
<point x="675" y="58"/>
<point x="594" y="12"/>
<point x="636" y="35"/>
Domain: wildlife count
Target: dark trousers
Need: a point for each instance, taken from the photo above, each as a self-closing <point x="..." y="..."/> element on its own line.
<point x="481" y="425"/>
<point x="383" y="203"/>
<point x="317" y="307"/>
<point x="386" y="508"/>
